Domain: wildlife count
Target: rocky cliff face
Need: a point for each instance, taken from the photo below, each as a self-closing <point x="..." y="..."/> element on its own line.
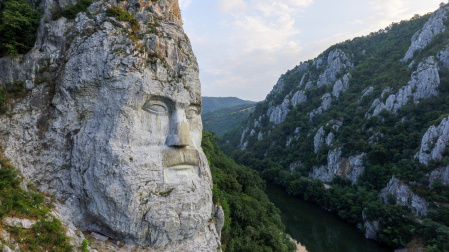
<point x="365" y="110"/>
<point x="111" y="125"/>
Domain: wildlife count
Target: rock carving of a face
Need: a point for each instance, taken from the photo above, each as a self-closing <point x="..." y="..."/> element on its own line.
<point x="138" y="167"/>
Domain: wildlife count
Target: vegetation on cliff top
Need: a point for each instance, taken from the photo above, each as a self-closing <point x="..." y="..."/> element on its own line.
<point x="18" y="26"/>
<point x="252" y="222"/>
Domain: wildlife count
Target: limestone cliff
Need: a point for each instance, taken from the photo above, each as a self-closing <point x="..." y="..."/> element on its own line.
<point x="111" y="124"/>
<point x="368" y="114"/>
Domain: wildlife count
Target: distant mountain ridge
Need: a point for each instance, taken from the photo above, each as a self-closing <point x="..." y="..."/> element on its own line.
<point x="215" y="103"/>
<point x="363" y="131"/>
<point x="222" y="120"/>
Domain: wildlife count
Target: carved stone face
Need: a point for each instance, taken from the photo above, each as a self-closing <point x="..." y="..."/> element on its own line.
<point x="138" y="167"/>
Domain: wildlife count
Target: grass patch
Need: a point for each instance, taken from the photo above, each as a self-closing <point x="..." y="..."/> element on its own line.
<point x="71" y="11"/>
<point x="47" y="234"/>
<point x="124" y="16"/>
<point x="13" y="90"/>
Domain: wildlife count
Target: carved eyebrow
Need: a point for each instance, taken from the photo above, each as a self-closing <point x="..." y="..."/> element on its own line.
<point x="162" y="98"/>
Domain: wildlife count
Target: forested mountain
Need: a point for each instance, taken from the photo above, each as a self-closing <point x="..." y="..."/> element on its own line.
<point x="222" y="120"/>
<point x="363" y="131"/>
<point x="252" y="222"/>
<point x="215" y="103"/>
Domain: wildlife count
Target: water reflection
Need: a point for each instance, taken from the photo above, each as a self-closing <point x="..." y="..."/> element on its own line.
<point x="316" y="229"/>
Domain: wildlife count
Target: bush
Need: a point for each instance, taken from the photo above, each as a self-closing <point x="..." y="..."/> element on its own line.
<point x="124" y="16"/>
<point x="18" y="26"/>
<point x="71" y="11"/>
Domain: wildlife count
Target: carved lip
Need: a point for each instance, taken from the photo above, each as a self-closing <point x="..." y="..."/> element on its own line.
<point x="182" y="167"/>
<point x="180" y="159"/>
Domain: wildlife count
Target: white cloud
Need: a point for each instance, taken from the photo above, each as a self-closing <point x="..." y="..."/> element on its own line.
<point x="301" y="3"/>
<point x="232" y="5"/>
<point x="183" y="4"/>
<point x="357" y="21"/>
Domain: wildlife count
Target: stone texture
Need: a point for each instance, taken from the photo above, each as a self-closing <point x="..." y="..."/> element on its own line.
<point x="279" y="113"/>
<point x="318" y="140"/>
<point x="17" y="222"/>
<point x="370" y="228"/>
<point x="366" y="92"/>
<point x="348" y="168"/>
<point x="434" y="143"/>
<point x="94" y="132"/>
<point x="423" y="84"/>
<point x="298" y="98"/>
<point x="337" y="62"/>
<point x="440" y="174"/>
<point x="434" y="26"/>
<point x="341" y="86"/>
<point x="404" y="196"/>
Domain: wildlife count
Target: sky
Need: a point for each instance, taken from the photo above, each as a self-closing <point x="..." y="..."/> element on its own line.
<point x="243" y="46"/>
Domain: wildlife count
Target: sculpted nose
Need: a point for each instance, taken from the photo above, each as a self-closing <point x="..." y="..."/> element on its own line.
<point x="180" y="133"/>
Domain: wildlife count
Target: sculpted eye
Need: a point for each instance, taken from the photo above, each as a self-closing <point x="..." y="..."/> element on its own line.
<point x="192" y="111"/>
<point x="156" y="107"/>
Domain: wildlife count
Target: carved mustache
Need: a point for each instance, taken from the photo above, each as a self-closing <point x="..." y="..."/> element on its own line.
<point x="173" y="157"/>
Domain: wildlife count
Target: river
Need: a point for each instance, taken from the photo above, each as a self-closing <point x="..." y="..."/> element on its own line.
<point x="316" y="229"/>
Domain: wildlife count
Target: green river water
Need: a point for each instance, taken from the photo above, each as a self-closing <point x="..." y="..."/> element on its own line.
<point x="316" y="229"/>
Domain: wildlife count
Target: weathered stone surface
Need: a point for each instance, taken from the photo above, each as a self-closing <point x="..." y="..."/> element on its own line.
<point x="298" y="98"/>
<point x="113" y="104"/>
<point x="366" y="92"/>
<point x="370" y="228"/>
<point x="423" y="84"/>
<point x="341" y="86"/>
<point x="440" y="174"/>
<point x="352" y="168"/>
<point x="443" y="57"/>
<point x="434" y="26"/>
<point x="404" y="196"/>
<point x="219" y="218"/>
<point x="5" y="248"/>
<point x="17" y="222"/>
<point x="328" y="172"/>
<point x="434" y="143"/>
<point x="318" y="140"/>
<point x="279" y="113"/>
<point x="348" y="168"/>
<point x="337" y="61"/>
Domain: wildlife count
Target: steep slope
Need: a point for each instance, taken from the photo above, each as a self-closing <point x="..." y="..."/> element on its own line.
<point x="216" y="103"/>
<point x="223" y="120"/>
<point x="252" y="222"/>
<point x="104" y="113"/>
<point x="364" y="127"/>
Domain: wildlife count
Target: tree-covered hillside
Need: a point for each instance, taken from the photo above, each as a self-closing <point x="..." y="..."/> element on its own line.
<point x="363" y="130"/>
<point x="252" y="222"/>
<point x="215" y="103"/>
<point x="222" y="120"/>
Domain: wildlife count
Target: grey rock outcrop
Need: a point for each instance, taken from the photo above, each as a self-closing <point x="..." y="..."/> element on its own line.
<point x="370" y="227"/>
<point x="341" y="86"/>
<point x="434" y="143"/>
<point x="279" y="113"/>
<point x="326" y="101"/>
<point x="348" y="168"/>
<point x="17" y="222"/>
<point x="403" y="196"/>
<point x="337" y="62"/>
<point x="318" y="140"/>
<point x="114" y="131"/>
<point x="423" y="84"/>
<point x="441" y="175"/>
<point x="298" y="98"/>
<point x="434" y="26"/>
<point x="366" y="92"/>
